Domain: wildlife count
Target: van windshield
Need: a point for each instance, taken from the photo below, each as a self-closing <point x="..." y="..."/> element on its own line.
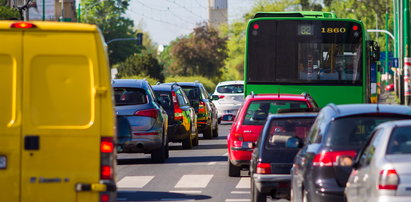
<point x="357" y="129"/>
<point x="129" y="96"/>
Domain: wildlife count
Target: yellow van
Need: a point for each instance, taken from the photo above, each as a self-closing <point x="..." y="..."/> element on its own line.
<point x="57" y="121"/>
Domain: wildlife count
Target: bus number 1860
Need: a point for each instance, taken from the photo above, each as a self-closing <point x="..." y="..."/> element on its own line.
<point x="331" y="30"/>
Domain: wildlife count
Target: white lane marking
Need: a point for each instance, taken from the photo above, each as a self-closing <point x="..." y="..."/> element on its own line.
<point x="236" y="200"/>
<point x="240" y="192"/>
<point x="185" y="191"/>
<point x="134" y="181"/>
<point x="202" y="164"/>
<point x="226" y="154"/>
<point x="212" y="163"/>
<point x="177" y="199"/>
<point x="194" y="181"/>
<point x="243" y="183"/>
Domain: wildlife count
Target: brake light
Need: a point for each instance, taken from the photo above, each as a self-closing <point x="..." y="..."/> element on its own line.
<point x="23" y="25"/>
<point x="202" y="107"/>
<point x="145" y="133"/>
<point x="178" y="112"/>
<point x="106" y="158"/>
<point x="104" y="197"/>
<point x="263" y="168"/>
<point x="152" y="113"/>
<point x="334" y="158"/>
<point x="388" y="180"/>
<point x="221" y="96"/>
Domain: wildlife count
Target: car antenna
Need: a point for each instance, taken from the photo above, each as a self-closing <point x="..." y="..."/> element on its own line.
<point x="378" y="107"/>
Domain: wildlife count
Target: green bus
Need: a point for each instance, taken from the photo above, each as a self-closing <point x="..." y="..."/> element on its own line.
<point x="309" y="51"/>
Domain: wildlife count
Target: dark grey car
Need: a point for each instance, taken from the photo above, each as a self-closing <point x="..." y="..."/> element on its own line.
<point x="141" y="121"/>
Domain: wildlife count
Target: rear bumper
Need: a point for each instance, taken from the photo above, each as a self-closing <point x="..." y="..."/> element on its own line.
<point x="327" y="190"/>
<point x="176" y="133"/>
<point x="278" y="184"/>
<point x="240" y="156"/>
<point x="142" y="143"/>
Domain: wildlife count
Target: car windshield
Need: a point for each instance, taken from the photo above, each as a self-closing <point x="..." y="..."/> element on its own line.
<point x="281" y="130"/>
<point x="129" y="96"/>
<point x="230" y="89"/>
<point x="356" y="130"/>
<point x="400" y="141"/>
<point x="164" y="99"/>
<point x="258" y="110"/>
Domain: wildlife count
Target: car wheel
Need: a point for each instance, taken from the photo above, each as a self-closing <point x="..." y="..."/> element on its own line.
<point x="167" y="151"/>
<point x="257" y="196"/>
<point x="215" y="131"/>
<point x="158" y="155"/>
<point x="304" y="195"/>
<point x="233" y="171"/>
<point x="208" y="132"/>
<point x="195" y="140"/>
<point x="187" y="143"/>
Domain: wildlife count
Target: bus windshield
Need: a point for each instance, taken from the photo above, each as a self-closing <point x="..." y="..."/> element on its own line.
<point x="305" y="52"/>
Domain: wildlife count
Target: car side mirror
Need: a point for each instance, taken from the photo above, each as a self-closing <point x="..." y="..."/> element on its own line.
<point x="294" y="142"/>
<point x="215" y="97"/>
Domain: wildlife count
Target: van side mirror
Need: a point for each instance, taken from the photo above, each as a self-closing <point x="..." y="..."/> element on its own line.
<point x="294" y="142"/>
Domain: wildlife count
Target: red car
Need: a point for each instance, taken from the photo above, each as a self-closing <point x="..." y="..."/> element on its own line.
<point x="250" y="120"/>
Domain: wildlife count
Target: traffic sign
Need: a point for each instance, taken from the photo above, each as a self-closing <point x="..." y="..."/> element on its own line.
<point x="394" y="62"/>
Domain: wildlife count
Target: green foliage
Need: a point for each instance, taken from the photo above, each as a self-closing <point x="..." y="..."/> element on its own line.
<point x="141" y="64"/>
<point x="208" y="84"/>
<point x="151" y="81"/>
<point x="7" y="13"/>
<point x="201" y="53"/>
<point x="108" y="15"/>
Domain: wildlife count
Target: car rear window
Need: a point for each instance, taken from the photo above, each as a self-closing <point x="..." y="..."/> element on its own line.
<point x="355" y="130"/>
<point x="129" y="96"/>
<point x="400" y="141"/>
<point x="282" y="129"/>
<point x="231" y="89"/>
<point x="192" y="93"/>
<point x="164" y="98"/>
<point x="258" y="110"/>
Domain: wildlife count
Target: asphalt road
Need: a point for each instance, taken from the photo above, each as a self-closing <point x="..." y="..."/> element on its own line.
<point x="198" y="174"/>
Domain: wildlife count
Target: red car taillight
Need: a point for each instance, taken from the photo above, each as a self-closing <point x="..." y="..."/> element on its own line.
<point x="106" y="162"/>
<point x="263" y="168"/>
<point x="178" y="112"/>
<point x="388" y="180"/>
<point x="152" y="113"/>
<point x="221" y="96"/>
<point x="202" y="107"/>
<point x="334" y="158"/>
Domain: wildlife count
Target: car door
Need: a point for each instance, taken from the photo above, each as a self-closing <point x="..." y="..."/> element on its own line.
<point x="61" y="116"/>
<point x="10" y="116"/>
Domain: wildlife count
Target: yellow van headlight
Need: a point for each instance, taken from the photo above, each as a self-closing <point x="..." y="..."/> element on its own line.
<point x="3" y="162"/>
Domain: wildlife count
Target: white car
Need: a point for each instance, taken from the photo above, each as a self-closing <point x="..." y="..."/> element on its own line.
<point x="231" y="94"/>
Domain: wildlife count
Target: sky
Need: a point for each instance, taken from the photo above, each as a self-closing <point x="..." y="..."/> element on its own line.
<point x="165" y="20"/>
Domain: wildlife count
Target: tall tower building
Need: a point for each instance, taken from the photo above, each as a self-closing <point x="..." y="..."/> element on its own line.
<point x="217" y="13"/>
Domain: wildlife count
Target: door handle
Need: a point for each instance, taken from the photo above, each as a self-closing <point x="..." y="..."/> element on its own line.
<point x="31" y="142"/>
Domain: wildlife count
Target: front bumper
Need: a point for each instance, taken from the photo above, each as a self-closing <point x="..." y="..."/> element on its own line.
<point x="275" y="184"/>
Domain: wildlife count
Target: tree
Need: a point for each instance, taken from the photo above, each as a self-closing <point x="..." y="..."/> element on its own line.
<point x="141" y="64"/>
<point x="201" y="53"/>
<point x="108" y="16"/>
<point x="7" y="13"/>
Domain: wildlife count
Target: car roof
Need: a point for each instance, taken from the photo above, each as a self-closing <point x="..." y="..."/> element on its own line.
<point x="230" y="82"/>
<point x="131" y="83"/>
<point x="185" y="83"/>
<point x="277" y="97"/>
<point x="337" y="111"/>
<point x="163" y="87"/>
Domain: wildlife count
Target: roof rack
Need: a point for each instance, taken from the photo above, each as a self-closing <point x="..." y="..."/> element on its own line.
<point x="305" y="94"/>
<point x="174" y="84"/>
<point x="158" y="83"/>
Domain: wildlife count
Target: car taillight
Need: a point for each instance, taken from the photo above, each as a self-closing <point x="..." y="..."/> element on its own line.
<point x="221" y="96"/>
<point x="334" y="158"/>
<point x="178" y="112"/>
<point x="23" y="25"/>
<point x="152" y="113"/>
<point x="263" y="168"/>
<point x="202" y="107"/>
<point x="388" y="180"/>
<point x="104" y="197"/>
<point x="106" y="161"/>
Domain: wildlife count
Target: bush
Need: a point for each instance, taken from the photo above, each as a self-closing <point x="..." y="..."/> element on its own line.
<point x="208" y="84"/>
<point x="151" y="81"/>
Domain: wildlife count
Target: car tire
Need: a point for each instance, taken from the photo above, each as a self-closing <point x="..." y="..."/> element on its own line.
<point x="167" y="151"/>
<point x="215" y="131"/>
<point x="304" y="195"/>
<point x="208" y="132"/>
<point x="195" y="140"/>
<point x="187" y="143"/>
<point x="159" y="155"/>
<point x="233" y="171"/>
<point x="257" y="196"/>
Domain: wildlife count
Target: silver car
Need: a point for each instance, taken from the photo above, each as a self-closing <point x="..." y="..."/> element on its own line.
<point x="382" y="169"/>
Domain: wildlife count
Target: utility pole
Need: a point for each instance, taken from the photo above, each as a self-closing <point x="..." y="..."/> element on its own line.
<point x="386" y="48"/>
<point x="396" y="74"/>
<point x="406" y="52"/>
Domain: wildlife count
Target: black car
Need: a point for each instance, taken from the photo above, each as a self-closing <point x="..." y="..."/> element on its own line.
<point x="141" y="121"/>
<point x="272" y="158"/>
<point x="207" y="117"/>
<point x="182" y="119"/>
<point x="322" y="167"/>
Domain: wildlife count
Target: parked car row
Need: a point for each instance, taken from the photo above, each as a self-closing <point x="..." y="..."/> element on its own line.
<point x="355" y="152"/>
<point x="149" y="117"/>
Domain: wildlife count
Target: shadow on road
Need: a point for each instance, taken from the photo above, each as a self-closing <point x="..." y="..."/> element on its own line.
<point x="188" y="159"/>
<point x="157" y="196"/>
